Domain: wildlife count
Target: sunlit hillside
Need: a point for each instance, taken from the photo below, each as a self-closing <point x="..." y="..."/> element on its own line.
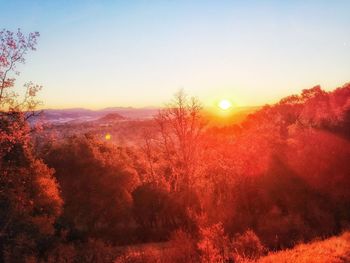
<point x="332" y="250"/>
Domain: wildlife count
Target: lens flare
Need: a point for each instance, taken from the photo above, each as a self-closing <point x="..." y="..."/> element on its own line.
<point x="108" y="136"/>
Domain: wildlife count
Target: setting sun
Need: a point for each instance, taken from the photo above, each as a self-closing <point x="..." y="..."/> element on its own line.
<point x="225" y="104"/>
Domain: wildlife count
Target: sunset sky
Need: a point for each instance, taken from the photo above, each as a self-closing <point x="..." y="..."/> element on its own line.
<point x="97" y="54"/>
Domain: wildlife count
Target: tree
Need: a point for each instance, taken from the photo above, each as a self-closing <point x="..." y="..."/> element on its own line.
<point x="29" y="197"/>
<point x="159" y="211"/>
<point x="214" y="244"/>
<point x="15" y="111"/>
<point x="181" y="126"/>
<point x="96" y="182"/>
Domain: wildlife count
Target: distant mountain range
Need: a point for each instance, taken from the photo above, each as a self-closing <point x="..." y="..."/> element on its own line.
<point x="82" y="115"/>
<point x="79" y="115"/>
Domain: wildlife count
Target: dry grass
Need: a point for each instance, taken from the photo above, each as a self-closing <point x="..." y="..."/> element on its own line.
<point x="332" y="250"/>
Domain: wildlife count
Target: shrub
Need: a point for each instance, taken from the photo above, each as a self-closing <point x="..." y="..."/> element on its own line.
<point x="214" y="245"/>
<point x="183" y="248"/>
<point x="248" y="245"/>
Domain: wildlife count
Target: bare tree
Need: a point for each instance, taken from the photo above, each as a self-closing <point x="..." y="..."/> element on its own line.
<point x="15" y="109"/>
<point x="181" y="124"/>
<point x="13" y="48"/>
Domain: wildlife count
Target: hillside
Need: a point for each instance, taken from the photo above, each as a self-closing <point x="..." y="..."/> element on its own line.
<point x="111" y="117"/>
<point x="332" y="250"/>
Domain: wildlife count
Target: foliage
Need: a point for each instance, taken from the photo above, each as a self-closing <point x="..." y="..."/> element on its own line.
<point x="30" y="201"/>
<point x="184" y="247"/>
<point x="214" y="244"/>
<point x="96" y="185"/>
<point x="180" y="129"/>
<point x="248" y="245"/>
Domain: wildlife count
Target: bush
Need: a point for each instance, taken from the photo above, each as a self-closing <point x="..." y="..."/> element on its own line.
<point x="183" y="248"/>
<point x="248" y="245"/>
<point x="214" y="245"/>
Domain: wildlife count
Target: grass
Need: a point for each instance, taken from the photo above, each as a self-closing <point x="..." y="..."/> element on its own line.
<point x="332" y="250"/>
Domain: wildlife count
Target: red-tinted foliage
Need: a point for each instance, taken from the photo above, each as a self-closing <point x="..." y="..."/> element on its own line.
<point x="30" y="201"/>
<point x="215" y="193"/>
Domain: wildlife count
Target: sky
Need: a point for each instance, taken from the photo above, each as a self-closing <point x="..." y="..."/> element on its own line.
<point x="97" y="54"/>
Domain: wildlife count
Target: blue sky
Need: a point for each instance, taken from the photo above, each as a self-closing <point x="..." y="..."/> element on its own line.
<point x="96" y="54"/>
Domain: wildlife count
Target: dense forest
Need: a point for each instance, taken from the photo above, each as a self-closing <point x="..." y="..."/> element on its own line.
<point x="185" y="190"/>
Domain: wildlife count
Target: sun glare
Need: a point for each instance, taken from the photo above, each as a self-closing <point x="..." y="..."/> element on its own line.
<point x="225" y="104"/>
<point x="108" y="136"/>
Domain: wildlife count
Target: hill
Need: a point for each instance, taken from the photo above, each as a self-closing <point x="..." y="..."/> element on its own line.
<point x="332" y="250"/>
<point x="79" y="115"/>
<point x="111" y="117"/>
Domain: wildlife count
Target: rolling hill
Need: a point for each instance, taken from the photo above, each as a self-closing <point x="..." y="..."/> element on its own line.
<point x="333" y="250"/>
